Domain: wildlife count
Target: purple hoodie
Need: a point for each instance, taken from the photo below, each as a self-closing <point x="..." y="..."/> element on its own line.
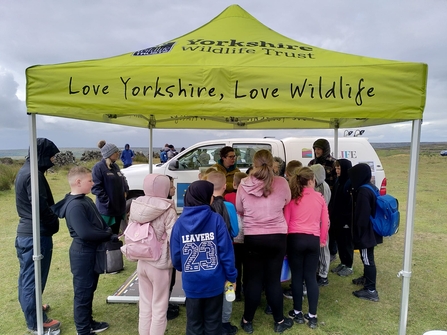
<point x="263" y="215"/>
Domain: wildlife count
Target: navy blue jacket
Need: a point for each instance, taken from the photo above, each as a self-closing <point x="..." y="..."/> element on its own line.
<point x="109" y="187"/>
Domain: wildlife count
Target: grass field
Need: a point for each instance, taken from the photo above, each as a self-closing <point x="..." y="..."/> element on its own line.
<point x="339" y="313"/>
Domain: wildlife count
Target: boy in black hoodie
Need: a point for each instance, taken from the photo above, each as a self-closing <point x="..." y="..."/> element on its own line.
<point x="363" y="235"/>
<point x="88" y="230"/>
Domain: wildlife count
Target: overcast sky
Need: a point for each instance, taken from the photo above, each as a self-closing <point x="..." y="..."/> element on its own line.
<point x="52" y="31"/>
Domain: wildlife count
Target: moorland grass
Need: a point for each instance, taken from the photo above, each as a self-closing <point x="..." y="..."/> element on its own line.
<point x="339" y="313"/>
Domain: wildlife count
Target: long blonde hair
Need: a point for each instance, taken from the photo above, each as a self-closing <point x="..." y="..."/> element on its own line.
<point x="263" y="170"/>
<point x="300" y="178"/>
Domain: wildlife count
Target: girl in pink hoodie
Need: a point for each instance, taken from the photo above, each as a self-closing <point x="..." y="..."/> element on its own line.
<point x="154" y="277"/>
<point x="308" y="221"/>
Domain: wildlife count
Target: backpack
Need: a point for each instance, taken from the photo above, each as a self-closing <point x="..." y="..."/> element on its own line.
<point x="163" y="157"/>
<point x="141" y="243"/>
<point x="387" y="217"/>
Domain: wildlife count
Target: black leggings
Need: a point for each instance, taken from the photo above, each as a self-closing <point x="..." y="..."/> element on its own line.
<point x="263" y="258"/>
<point x="303" y="253"/>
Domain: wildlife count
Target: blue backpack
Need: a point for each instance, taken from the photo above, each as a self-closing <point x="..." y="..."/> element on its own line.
<point x="386" y="220"/>
<point x="163" y="156"/>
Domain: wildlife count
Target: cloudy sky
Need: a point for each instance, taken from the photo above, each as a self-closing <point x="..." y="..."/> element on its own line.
<point x="53" y="31"/>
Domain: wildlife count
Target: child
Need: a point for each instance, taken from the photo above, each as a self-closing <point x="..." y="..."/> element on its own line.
<point x="363" y="235"/>
<point x="290" y="168"/>
<point x="201" y="248"/>
<point x="228" y="212"/>
<point x="88" y="230"/>
<point x="238" y="241"/>
<point x="154" y="277"/>
<point x="325" y="257"/>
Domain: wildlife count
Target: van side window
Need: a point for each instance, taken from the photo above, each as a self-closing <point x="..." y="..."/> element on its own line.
<point x="246" y="151"/>
<point x="200" y="157"/>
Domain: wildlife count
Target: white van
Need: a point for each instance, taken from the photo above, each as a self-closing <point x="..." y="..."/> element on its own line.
<point x="184" y="167"/>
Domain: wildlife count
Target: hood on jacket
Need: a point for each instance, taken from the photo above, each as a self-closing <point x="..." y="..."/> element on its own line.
<point x="45" y="150"/>
<point x="156" y="185"/>
<point x="345" y="165"/>
<point x="320" y="173"/>
<point x="359" y="174"/>
<point x="231" y="168"/>
<point x="253" y="186"/>
<point x="324" y="145"/>
<point x="60" y="208"/>
<point x="199" y="193"/>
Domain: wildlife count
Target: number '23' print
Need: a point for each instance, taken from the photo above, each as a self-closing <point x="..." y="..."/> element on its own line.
<point x="202" y="256"/>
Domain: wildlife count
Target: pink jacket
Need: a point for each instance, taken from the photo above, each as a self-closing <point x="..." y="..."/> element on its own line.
<point x="309" y="216"/>
<point x="262" y="215"/>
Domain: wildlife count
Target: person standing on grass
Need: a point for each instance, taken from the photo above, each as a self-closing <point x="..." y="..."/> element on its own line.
<point x="201" y="249"/>
<point x="308" y="221"/>
<point x="110" y="186"/>
<point x="363" y="235"/>
<point x="260" y="199"/>
<point x="49" y="225"/>
<point x="154" y="277"/>
<point x="88" y="230"/>
<point x="340" y="213"/>
<point x="127" y="156"/>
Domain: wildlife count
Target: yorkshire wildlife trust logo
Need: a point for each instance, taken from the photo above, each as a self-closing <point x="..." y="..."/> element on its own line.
<point x="159" y="49"/>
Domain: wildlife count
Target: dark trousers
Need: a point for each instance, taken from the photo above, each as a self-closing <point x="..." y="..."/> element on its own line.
<point x="85" y="281"/>
<point x="263" y="258"/>
<point x="333" y="244"/>
<point x="303" y="253"/>
<point x="345" y="246"/>
<point x="239" y="258"/>
<point x="26" y="282"/>
<point x="369" y="268"/>
<point x="204" y="316"/>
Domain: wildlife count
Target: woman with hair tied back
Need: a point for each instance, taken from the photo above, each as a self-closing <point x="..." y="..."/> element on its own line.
<point x="261" y="198"/>
<point x="308" y="221"/>
<point x="110" y="186"/>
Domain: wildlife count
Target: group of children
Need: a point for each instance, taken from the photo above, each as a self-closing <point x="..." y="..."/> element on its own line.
<point x="206" y="243"/>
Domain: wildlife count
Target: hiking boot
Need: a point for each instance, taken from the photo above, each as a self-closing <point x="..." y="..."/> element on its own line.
<point x="311" y="322"/>
<point x="172" y="312"/>
<point x="280" y="327"/>
<point x="297" y="317"/>
<point x="345" y="272"/>
<point x="97" y="327"/>
<point x="51" y="324"/>
<point x="288" y="294"/>
<point x="359" y="281"/>
<point x="228" y="329"/>
<point x="338" y="268"/>
<point x="247" y="326"/>
<point x="322" y="281"/>
<point x="367" y="294"/>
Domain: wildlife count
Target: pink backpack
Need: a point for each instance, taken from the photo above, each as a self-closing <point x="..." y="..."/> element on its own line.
<point x="141" y="243"/>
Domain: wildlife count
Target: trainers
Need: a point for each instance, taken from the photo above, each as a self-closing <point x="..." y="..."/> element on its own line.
<point x="280" y="327"/>
<point x="333" y="258"/>
<point x="345" y="272"/>
<point x="337" y="268"/>
<point x="247" y="326"/>
<point x="268" y="310"/>
<point x="172" y="312"/>
<point x="228" y="329"/>
<point x="97" y="327"/>
<point x="45" y="332"/>
<point x="367" y="294"/>
<point x="288" y="294"/>
<point x="322" y="281"/>
<point x="51" y="324"/>
<point x="297" y="317"/>
<point x="359" y="281"/>
<point x="311" y="322"/>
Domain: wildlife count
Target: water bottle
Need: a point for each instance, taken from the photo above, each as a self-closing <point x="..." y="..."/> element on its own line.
<point x="229" y="292"/>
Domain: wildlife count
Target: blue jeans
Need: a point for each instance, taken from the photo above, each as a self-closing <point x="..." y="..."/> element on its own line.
<point x="26" y="282"/>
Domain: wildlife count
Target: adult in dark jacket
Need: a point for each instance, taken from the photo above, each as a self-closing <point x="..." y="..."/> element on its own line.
<point x="88" y="230"/>
<point x="110" y="186"/>
<point x="49" y="225"/>
<point x="340" y="212"/>
<point x="363" y="235"/>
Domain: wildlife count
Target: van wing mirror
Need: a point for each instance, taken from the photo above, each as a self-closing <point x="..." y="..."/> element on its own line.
<point x="173" y="165"/>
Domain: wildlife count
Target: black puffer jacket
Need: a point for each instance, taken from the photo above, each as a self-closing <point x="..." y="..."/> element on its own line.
<point x="363" y="234"/>
<point x="49" y="222"/>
